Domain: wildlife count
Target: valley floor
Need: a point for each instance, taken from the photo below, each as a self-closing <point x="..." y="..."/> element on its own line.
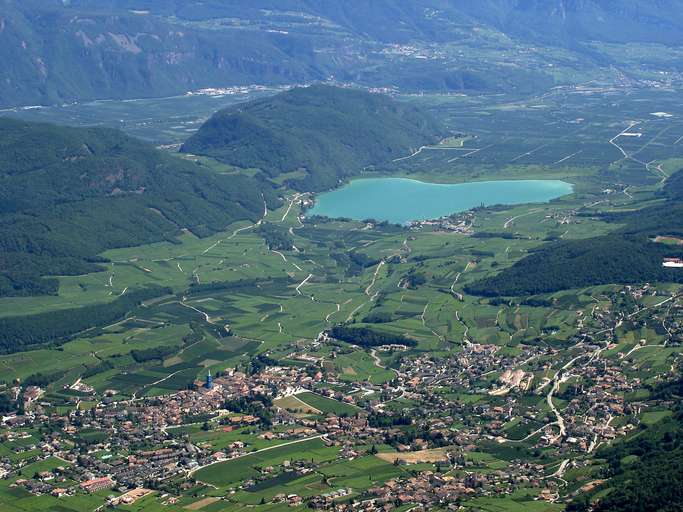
<point x="495" y="404"/>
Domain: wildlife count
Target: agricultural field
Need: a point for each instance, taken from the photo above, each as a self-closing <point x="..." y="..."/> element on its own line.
<point x="327" y="405"/>
<point x="163" y="121"/>
<point x="234" y="471"/>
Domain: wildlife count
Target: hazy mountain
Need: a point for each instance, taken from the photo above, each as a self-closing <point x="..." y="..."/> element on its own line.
<point x="552" y="21"/>
<point x="83" y="49"/>
<point x="60" y="53"/>
<point x="329" y="133"/>
<point x="571" y="22"/>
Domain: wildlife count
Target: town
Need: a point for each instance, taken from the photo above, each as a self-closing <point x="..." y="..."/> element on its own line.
<point x="440" y="412"/>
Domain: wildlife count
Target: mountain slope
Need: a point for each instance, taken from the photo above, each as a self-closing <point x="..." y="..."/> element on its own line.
<point x="548" y="21"/>
<point x="88" y="49"/>
<point x="328" y="132"/>
<point x="68" y="194"/>
<point x="572" y="22"/>
<point x="57" y="52"/>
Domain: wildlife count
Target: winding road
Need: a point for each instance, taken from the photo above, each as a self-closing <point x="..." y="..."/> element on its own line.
<point x="298" y="288"/>
<point x="509" y="222"/>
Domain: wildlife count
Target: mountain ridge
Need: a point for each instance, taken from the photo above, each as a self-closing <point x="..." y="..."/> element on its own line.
<point x="84" y="50"/>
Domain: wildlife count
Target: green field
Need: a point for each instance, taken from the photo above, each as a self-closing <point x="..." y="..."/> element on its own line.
<point x="231" y="472"/>
<point x="326" y="405"/>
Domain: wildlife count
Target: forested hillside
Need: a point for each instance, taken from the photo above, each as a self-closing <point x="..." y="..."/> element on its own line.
<point x="329" y="133"/>
<point x="68" y="194"/>
<point x="629" y="255"/>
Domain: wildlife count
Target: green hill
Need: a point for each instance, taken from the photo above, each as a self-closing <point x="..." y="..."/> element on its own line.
<point x="329" y="133"/>
<point x="627" y="256"/>
<point x="68" y="194"/>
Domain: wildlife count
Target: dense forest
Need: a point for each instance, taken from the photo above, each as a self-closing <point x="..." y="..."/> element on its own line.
<point x="364" y="337"/>
<point x="277" y="238"/>
<point x="628" y="255"/>
<point x="329" y="133"/>
<point x="610" y="259"/>
<point x="241" y="286"/>
<point x="68" y="194"/>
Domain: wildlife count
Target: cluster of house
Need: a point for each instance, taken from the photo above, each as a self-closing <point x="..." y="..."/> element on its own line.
<point x="462" y="223"/>
<point x="593" y="393"/>
<point x="429" y="489"/>
<point x="209" y="399"/>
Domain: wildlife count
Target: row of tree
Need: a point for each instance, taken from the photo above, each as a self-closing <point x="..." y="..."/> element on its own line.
<point x="20" y="333"/>
<point x="365" y="337"/>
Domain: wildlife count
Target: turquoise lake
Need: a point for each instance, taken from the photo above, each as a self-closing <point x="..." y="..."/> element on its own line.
<point x="400" y="200"/>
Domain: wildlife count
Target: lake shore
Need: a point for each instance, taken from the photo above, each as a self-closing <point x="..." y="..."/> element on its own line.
<point x="404" y="200"/>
